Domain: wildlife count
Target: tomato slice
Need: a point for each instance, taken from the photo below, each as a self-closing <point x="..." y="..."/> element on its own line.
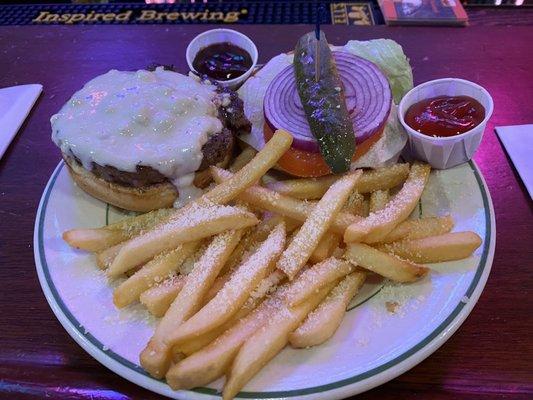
<point x="307" y="164"/>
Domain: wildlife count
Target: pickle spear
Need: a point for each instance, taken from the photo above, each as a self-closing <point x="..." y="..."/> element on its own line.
<point x="322" y="96"/>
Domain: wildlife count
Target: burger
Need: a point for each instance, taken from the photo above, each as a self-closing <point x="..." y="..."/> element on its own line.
<point x="144" y="140"/>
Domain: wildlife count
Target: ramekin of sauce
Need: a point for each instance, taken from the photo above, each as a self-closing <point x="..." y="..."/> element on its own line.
<point x="224" y="55"/>
<point x="445" y="120"/>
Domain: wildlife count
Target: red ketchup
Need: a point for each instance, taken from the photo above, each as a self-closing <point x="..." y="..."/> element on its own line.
<point x="445" y="116"/>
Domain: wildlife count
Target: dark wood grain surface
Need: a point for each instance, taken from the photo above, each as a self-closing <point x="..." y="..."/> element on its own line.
<point x="497" y="16"/>
<point x="490" y="356"/>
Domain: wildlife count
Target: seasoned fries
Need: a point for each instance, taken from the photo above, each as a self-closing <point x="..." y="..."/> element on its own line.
<point x="106" y="257"/>
<point x="94" y="239"/>
<point x="263" y="289"/>
<point x="251" y="172"/>
<point x="268" y="341"/>
<point x="378" y="200"/>
<point x="158" y="298"/>
<point x="325" y="247"/>
<point x="135" y="225"/>
<point x="197" y="343"/>
<point x="370" y="181"/>
<point x="377" y="225"/>
<point x="316" y="225"/>
<point x="259" y="233"/>
<point x="314" y="278"/>
<point x="284" y="205"/>
<point x="322" y="322"/>
<point x="236" y="290"/>
<point x="307" y="188"/>
<point x="200" y="222"/>
<point x="99" y="239"/>
<point x="214" y="360"/>
<point x="242" y="159"/>
<point x="419" y="228"/>
<point x="152" y="272"/>
<point x="251" y="291"/>
<point x="433" y="249"/>
<point x="156" y="357"/>
<point x="383" y="178"/>
<point x="384" y="264"/>
<point x="356" y="204"/>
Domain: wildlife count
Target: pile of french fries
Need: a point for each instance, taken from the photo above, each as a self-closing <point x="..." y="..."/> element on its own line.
<point x="274" y="262"/>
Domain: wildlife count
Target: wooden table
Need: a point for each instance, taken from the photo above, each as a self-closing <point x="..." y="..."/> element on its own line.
<point x="490" y="357"/>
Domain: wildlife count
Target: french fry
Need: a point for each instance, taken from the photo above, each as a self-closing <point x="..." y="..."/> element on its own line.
<point x="191" y="346"/>
<point x="264" y="288"/>
<point x="158" y="298"/>
<point x="270" y="177"/>
<point x="291" y="224"/>
<point x="383" y="178"/>
<point x="384" y="264"/>
<point x="325" y="247"/>
<point x="356" y="204"/>
<point x="412" y="229"/>
<point x="236" y="290"/>
<point x="259" y="233"/>
<point x="243" y="158"/>
<point x="105" y="258"/>
<point x="314" y="188"/>
<point x="136" y="224"/>
<point x="323" y="321"/>
<point x="152" y="272"/>
<point x="266" y="285"/>
<point x="156" y="356"/>
<point x="316" y="277"/>
<point x="165" y="294"/>
<point x="272" y="201"/>
<point x="251" y="172"/>
<point x="218" y="284"/>
<point x="200" y="222"/>
<point x="377" y="225"/>
<point x="99" y="239"/>
<point x="378" y="200"/>
<point x="213" y="360"/>
<point x="267" y="342"/>
<point x="316" y="225"/>
<point x="302" y="188"/>
<point x="434" y="249"/>
<point x="94" y="239"/>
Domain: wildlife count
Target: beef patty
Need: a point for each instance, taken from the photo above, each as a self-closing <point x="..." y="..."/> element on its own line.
<point x="215" y="150"/>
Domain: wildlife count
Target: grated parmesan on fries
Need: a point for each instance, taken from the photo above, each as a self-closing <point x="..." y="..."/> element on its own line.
<point x="232" y="292"/>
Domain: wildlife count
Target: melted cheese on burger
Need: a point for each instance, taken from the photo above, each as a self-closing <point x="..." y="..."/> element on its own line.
<point x="159" y="119"/>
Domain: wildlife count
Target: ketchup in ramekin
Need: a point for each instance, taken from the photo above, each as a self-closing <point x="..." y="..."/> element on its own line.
<point x="445" y="116"/>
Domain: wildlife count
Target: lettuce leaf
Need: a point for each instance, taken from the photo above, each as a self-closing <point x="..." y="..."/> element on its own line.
<point x="390" y="58"/>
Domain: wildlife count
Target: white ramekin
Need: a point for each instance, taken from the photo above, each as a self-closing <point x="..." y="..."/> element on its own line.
<point x="218" y="36"/>
<point x="445" y="152"/>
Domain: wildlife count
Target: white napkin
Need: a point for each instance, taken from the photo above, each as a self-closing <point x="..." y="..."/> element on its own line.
<point x="518" y="141"/>
<point x="15" y="105"/>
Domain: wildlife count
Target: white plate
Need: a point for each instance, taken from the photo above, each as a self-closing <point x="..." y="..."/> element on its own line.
<point x="372" y="345"/>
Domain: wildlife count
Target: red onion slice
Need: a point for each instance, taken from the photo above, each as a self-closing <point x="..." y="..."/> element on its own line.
<point x="368" y="99"/>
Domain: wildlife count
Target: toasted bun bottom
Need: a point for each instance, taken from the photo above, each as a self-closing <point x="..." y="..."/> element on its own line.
<point x="153" y="197"/>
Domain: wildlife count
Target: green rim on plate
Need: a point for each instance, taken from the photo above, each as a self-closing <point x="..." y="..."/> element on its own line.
<point x="286" y="393"/>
